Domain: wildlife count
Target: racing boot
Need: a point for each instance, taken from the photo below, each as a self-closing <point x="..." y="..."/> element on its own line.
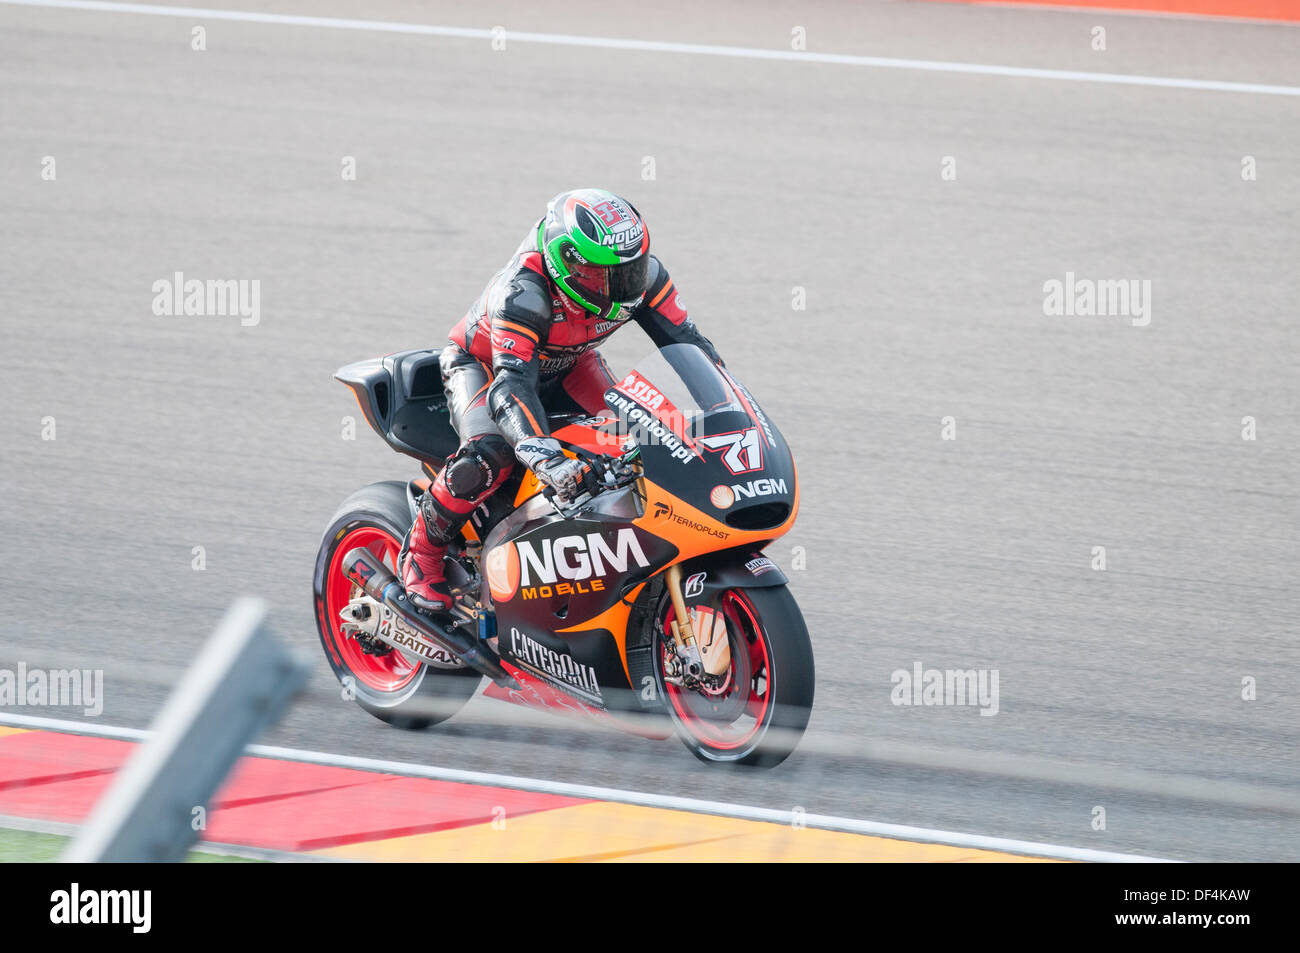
<point x="422" y="573"/>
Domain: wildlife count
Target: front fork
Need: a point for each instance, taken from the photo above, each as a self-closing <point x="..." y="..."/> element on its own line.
<point x="713" y="656"/>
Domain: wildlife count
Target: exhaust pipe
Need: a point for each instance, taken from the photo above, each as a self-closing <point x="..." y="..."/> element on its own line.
<point x="365" y="569"/>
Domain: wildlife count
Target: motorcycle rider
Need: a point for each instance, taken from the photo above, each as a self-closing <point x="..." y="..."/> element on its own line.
<point x="528" y="344"/>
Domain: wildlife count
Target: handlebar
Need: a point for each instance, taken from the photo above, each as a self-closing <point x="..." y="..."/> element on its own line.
<point x="607" y="473"/>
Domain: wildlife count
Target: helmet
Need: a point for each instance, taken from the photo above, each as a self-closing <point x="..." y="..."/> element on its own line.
<point x="597" y="249"/>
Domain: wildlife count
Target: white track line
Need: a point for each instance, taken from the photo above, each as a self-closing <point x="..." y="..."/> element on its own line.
<point x="657" y="46"/>
<point x="640" y="798"/>
<point x="1250" y="796"/>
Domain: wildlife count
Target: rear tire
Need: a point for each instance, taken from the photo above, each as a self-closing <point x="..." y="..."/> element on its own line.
<point x="759" y="723"/>
<point x="405" y="694"/>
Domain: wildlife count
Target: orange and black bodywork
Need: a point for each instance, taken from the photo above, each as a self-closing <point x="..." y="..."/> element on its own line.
<point x="574" y="595"/>
<point x="568" y="592"/>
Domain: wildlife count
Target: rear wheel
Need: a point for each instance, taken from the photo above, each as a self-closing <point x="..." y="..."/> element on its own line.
<point x="755" y="712"/>
<point x="405" y="693"/>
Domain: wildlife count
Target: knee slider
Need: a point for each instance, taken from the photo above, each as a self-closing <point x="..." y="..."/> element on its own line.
<point x="475" y="467"/>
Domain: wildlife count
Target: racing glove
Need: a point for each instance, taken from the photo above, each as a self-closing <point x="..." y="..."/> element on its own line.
<point x="568" y="477"/>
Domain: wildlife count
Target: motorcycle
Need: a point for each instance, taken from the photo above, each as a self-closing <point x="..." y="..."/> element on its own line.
<point x="646" y="601"/>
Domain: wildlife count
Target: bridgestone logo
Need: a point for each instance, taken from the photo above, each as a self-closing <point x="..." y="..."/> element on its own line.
<point x="578" y="557"/>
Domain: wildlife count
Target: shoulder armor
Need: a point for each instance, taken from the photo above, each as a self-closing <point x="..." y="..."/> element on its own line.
<point x="527" y="299"/>
<point x="657" y="271"/>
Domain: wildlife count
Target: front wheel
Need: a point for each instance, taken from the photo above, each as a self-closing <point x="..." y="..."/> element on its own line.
<point x="755" y="712"/>
<point x="405" y="693"/>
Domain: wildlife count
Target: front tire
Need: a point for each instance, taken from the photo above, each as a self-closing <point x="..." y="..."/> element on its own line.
<point x="760" y="712"/>
<point x="404" y="693"/>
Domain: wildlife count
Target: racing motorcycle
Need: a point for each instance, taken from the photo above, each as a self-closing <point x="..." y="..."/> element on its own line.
<point x="646" y="601"/>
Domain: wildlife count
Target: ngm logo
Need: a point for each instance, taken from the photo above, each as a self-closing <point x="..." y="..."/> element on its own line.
<point x="563" y="565"/>
<point x="578" y="557"/>
<point x="722" y="496"/>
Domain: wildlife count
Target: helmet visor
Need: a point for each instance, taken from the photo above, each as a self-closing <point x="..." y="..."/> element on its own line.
<point x="627" y="280"/>
<point x="608" y="285"/>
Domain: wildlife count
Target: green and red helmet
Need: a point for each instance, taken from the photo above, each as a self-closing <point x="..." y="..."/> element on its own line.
<point x="597" y="249"/>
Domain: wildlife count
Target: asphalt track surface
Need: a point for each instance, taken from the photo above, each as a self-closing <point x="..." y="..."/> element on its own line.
<point x="924" y="299"/>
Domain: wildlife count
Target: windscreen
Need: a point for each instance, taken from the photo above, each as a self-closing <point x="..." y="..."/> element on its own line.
<point x="678" y="384"/>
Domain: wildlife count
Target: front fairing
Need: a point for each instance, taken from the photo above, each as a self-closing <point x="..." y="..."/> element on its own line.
<point x="717" y="471"/>
<point x="716" y="475"/>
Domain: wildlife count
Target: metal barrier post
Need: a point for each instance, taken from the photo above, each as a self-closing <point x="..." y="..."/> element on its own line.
<point x="240" y="682"/>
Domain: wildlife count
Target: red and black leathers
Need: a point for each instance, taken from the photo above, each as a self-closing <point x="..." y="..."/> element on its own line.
<point x="529" y="333"/>
<point x="522" y="348"/>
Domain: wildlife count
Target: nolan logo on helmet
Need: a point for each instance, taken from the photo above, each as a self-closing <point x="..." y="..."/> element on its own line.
<point x="625" y="231"/>
<point x="625" y="236"/>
